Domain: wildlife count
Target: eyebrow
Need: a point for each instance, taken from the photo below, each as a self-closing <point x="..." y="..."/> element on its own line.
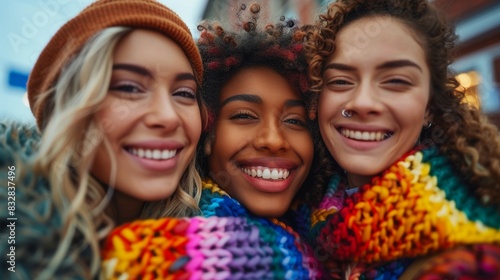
<point x="185" y="76"/>
<point x="295" y="103"/>
<point x="339" y="66"/>
<point x="242" y="97"/>
<point x="385" y="65"/>
<point x="399" y="63"/>
<point x="145" y="72"/>
<point x="133" y="68"/>
<point x="257" y="100"/>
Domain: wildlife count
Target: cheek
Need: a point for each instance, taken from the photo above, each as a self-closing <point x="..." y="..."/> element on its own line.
<point x="221" y="147"/>
<point x="101" y="164"/>
<point x="115" y="116"/>
<point x="192" y="123"/>
<point x="328" y="107"/>
<point x="411" y="112"/>
<point x="304" y="147"/>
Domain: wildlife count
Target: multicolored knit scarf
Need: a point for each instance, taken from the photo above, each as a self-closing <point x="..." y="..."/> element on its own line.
<point x="229" y="243"/>
<point x="417" y="207"/>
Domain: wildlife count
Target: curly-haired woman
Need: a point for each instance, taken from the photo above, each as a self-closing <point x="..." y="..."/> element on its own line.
<point x="417" y="168"/>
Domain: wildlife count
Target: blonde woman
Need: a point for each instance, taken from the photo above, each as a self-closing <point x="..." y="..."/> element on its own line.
<point x="115" y="96"/>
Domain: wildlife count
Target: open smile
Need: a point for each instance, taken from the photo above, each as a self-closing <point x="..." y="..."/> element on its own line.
<point x="152" y="154"/>
<point x="365" y="135"/>
<point x="266" y="173"/>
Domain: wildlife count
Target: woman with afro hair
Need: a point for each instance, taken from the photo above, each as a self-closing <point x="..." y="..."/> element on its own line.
<point x="255" y="155"/>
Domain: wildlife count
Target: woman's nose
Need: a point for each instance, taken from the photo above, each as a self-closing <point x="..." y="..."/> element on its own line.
<point x="162" y="112"/>
<point x="364" y="101"/>
<point x="270" y="137"/>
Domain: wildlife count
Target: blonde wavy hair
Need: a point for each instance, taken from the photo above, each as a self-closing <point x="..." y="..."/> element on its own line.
<point x="461" y="132"/>
<point x="69" y="142"/>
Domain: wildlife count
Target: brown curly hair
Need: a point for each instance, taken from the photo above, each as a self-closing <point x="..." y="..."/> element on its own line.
<point x="461" y="132"/>
<point x="279" y="46"/>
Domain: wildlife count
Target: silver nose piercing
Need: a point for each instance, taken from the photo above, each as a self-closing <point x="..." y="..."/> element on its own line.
<point x="346" y="113"/>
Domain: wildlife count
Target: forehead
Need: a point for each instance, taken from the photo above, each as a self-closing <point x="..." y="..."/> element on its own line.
<point x="380" y="36"/>
<point x="262" y="81"/>
<point x="148" y="46"/>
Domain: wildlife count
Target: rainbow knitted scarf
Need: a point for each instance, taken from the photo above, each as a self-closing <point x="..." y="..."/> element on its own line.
<point x="417" y="207"/>
<point x="229" y="243"/>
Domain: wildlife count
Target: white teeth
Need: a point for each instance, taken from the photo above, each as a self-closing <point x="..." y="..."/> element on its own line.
<point x="357" y="135"/>
<point x="156" y="154"/>
<point x="267" y="173"/>
<point x="167" y="154"/>
<point x="274" y="174"/>
<point x="365" y="135"/>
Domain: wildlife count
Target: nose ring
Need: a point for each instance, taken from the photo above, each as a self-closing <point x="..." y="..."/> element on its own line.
<point x="346" y="113"/>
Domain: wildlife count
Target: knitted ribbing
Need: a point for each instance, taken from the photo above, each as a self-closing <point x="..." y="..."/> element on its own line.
<point x="296" y="255"/>
<point x="229" y="243"/>
<point x="416" y="207"/>
<point x="456" y="190"/>
<point x="479" y="261"/>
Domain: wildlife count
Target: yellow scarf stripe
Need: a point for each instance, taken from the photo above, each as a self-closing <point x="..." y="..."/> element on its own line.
<point x="403" y="213"/>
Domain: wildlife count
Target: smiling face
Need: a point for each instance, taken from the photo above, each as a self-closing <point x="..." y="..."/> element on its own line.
<point x="150" y="117"/>
<point x="263" y="150"/>
<point x="382" y="79"/>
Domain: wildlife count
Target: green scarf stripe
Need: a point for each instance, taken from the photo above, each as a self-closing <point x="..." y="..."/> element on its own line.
<point x="456" y="190"/>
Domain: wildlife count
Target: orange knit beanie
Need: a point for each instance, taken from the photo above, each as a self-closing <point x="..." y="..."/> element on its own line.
<point x="71" y="37"/>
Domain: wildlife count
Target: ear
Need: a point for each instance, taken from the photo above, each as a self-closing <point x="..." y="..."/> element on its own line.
<point x="205" y="117"/>
<point x="428" y="119"/>
<point x="209" y="143"/>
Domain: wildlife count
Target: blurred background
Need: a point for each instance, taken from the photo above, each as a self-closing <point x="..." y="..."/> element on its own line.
<point x="27" y="25"/>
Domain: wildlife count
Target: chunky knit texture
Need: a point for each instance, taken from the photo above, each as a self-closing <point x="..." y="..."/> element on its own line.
<point x="418" y="207"/>
<point x="235" y="245"/>
<point x="72" y="36"/>
<point x="38" y="223"/>
<point x="229" y="243"/>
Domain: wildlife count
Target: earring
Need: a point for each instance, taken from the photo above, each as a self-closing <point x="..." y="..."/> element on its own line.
<point x="429" y="124"/>
<point x="346" y="113"/>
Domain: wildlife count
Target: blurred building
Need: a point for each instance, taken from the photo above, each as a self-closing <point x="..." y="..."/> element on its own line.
<point x="232" y="11"/>
<point x="478" y="51"/>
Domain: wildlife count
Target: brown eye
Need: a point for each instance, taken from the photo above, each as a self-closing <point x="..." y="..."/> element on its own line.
<point x="398" y="81"/>
<point x="185" y="92"/>
<point x="241" y="115"/>
<point x="338" y="82"/>
<point x="127" y="88"/>
<point x="295" y="121"/>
